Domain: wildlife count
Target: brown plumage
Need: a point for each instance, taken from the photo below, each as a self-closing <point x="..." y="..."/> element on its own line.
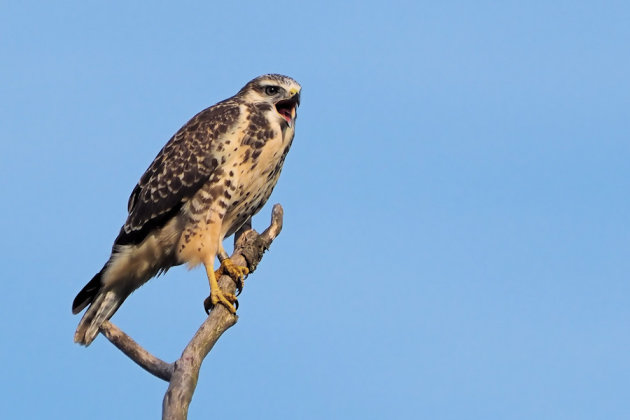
<point x="214" y="174"/>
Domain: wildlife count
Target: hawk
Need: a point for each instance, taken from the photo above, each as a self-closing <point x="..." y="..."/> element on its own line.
<point x="210" y="178"/>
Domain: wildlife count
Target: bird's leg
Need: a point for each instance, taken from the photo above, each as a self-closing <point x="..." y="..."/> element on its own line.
<point x="236" y="272"/>
<point x="216" y="294"/>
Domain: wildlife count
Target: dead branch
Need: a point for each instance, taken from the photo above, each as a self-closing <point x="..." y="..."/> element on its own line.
<point x="183" y="374"/>
<point x="136" y="352"/>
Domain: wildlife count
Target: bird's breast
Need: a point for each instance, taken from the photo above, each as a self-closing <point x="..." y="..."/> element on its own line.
<point x="257" y="174"/>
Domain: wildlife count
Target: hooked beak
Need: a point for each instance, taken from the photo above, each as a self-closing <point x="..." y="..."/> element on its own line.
<point x="287" y="108"/>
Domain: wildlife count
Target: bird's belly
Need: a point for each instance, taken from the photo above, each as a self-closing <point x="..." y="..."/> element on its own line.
<point x="198" y="242"/>
<point x="254" y="189"/>
<point x="254" y="199"/>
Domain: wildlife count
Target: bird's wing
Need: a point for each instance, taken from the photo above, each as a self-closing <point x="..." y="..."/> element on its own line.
<point x="182" y="167"/>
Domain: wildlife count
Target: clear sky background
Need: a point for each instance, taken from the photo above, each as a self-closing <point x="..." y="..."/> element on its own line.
<point x="456" y="240"/>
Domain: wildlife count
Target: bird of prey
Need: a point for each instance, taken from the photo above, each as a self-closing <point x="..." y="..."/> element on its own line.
<point x="210" y="178"/>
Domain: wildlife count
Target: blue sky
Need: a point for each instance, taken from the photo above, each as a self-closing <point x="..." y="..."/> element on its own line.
<point x="456" y="240"/>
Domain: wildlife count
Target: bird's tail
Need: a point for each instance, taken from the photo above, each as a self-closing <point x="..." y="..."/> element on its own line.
<point x="104" y="305"/>
<point x="88" y="293"/>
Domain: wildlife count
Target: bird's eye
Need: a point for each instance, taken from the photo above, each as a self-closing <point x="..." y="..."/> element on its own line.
<point x="271" y="90"/>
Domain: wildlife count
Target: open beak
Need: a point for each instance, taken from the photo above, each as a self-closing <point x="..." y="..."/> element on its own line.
<point x="287" y="108"/>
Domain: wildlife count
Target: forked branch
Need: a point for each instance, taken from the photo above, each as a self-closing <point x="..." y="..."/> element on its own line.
<point x="183" y="374"/>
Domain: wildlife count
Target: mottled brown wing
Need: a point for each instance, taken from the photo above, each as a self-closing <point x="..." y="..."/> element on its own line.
<point x="182" y="167"/>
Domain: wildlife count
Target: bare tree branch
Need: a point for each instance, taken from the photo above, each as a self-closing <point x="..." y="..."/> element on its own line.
<point x="136" y="352"/>
<point x="186" y="373"/>
<point x="183" y="374"/>
<point x="249" y="247"/>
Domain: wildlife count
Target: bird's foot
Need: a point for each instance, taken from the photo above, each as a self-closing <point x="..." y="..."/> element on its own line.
<point x="236" y="273"/>
<point x="218" y="296"/>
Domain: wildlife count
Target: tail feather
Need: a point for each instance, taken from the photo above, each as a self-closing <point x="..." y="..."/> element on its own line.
<point x="87" y="294"/>
<point x="102" y="308"/>
<point x="128" y="268"/>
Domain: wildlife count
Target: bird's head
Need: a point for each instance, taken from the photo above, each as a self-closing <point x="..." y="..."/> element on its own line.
<point x="281" y="92"/>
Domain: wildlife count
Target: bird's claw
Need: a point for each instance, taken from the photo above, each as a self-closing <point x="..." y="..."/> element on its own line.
<point x="236" y="273"/>
<point x="226" y="299"/>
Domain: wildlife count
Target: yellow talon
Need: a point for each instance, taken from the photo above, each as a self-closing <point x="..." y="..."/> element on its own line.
<point x="236" y="273"/>
<point x="217" y="296"/>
